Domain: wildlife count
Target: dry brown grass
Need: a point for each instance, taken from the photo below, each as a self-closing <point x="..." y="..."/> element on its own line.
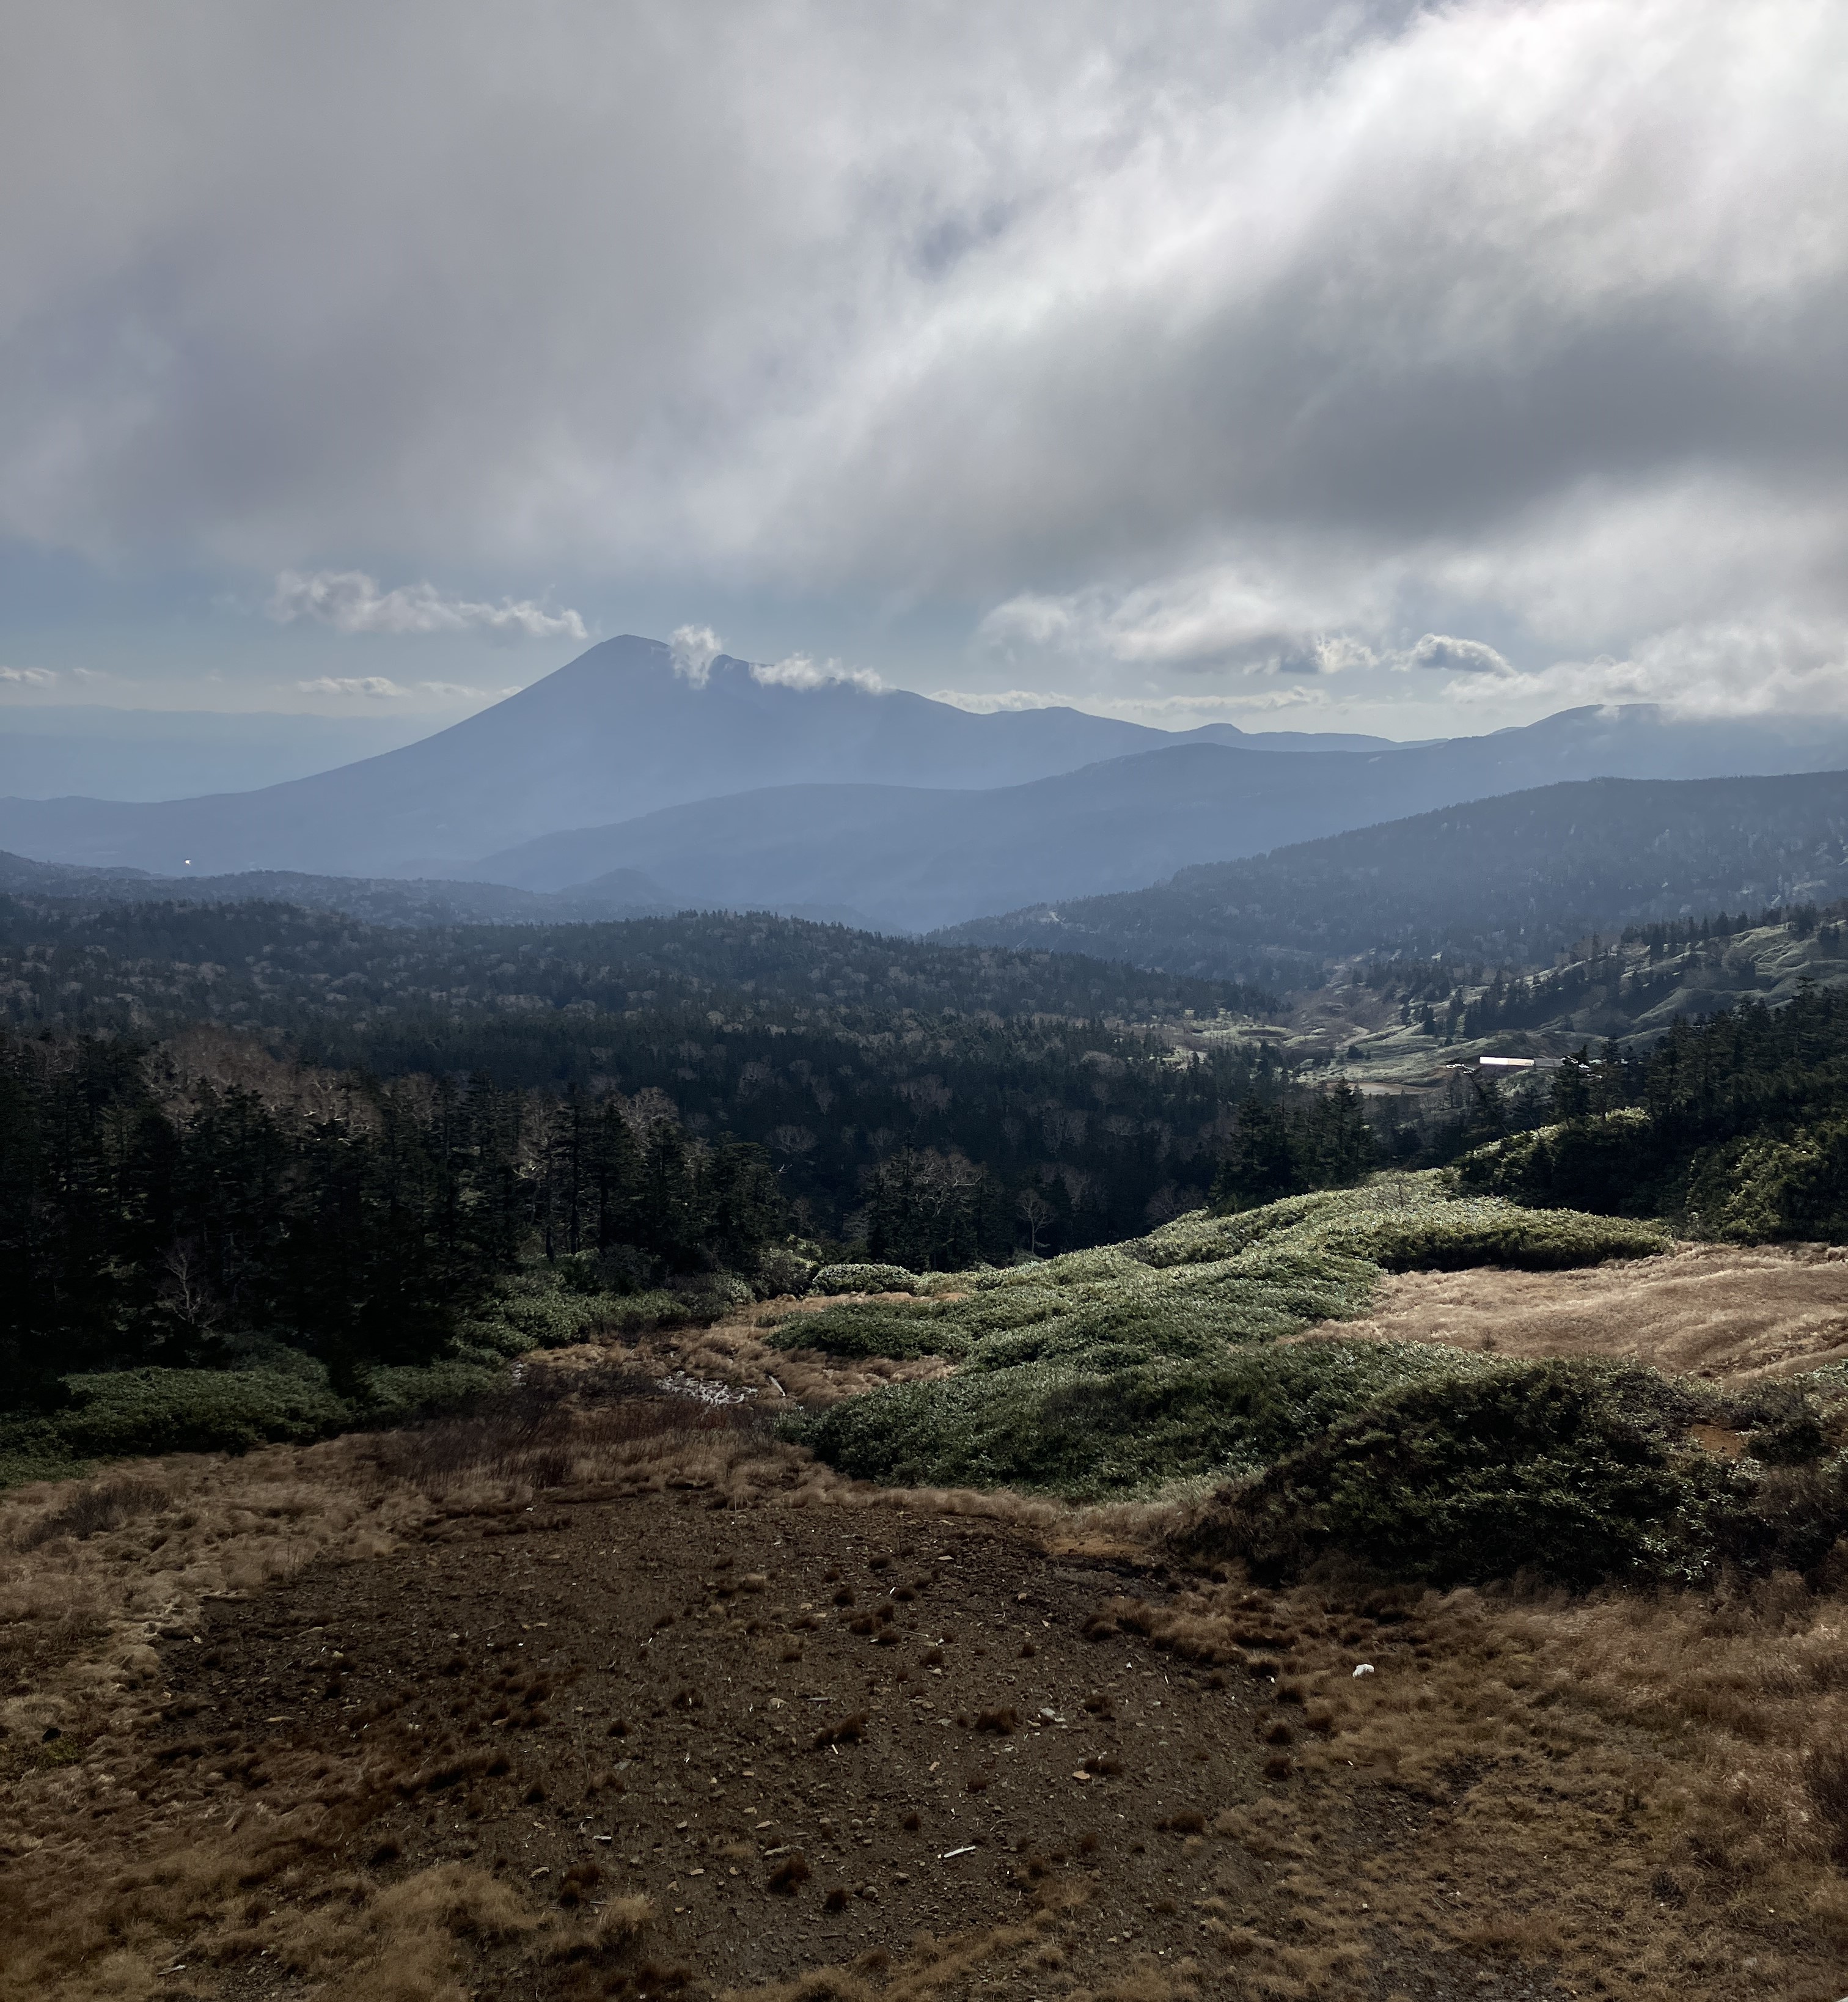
<point x="734" y="1353"/>
<point x="93" y="1572"/>
<point x="1651" y="1793"/>
<point x="97" y="1571"/>
<point x="1725" y="1313"/>
<point x="1646" y="1796"/>
<point x="983" y="1955"/>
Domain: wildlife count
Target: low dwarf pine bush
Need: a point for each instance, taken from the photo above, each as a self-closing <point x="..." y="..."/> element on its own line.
<point x="1059" y="1427"/>
<point x="867" y="1327"/>
<point x="864" y="1279"/>
<point x="1572" y="1470"/>
<point x="1118" y="1369"/>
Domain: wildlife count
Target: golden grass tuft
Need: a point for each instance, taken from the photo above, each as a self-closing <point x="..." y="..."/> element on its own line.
<point x="1728" y="1313"/>
<point x="623" y="1920"/>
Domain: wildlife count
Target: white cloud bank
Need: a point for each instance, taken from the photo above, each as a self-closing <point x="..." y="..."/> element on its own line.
<point x="799" y="671"/>
<point x="351" y="601"/>
<point x="695" y="648"/>
<point x="1212" y="340"/>
<point x="381" y="688"/>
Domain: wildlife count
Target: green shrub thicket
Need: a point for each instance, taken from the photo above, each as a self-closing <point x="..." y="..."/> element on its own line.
<point x="272" y="1391"/>
<point x="1059" y="1427"/>
<point x="859" y="1328"/>
<point x="1114" y="1370"/>
<point x="1577" y="1471"/>
<point x="864" y="1278"/>
<point x="287" y="1397"/>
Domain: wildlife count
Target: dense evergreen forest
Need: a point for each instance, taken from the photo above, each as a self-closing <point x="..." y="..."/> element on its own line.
<point x="832" y="1050"/>
<point x="229" y="1124"/>
<point x="71" y="964"/>
<point x="226" y="1122"/>
<point x="150" y="1216"/>
<point x="1735" y="1127"/>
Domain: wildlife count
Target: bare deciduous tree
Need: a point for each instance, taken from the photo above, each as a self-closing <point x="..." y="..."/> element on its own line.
<point x="1037" y="1214"/>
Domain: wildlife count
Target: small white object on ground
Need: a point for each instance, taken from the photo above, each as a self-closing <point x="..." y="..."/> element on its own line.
<point x="1365" y="1669"/>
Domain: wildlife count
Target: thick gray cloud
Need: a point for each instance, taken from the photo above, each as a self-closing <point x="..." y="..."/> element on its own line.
<point x="1206" y="341"/>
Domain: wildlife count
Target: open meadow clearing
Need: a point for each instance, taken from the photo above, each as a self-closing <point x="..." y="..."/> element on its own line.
<point x="609" y="1691"/>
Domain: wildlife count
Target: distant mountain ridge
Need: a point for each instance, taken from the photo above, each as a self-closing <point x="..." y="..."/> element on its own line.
<point x="390" y="900"/>
<point x="735" y="790"/>
<point x="615" y="734"/>
<point x="1514" y="879"/>
<point x="916" y="859"/>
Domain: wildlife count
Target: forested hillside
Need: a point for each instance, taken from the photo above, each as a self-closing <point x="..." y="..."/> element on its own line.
<point x="932" y="1105"/>
<point x="1510" y="881"/>
<point x="79" y="962"/>
<point x="1737" y="1127"/>
<point x="1395" y="1020"/>
<point x="152" y="1212"/>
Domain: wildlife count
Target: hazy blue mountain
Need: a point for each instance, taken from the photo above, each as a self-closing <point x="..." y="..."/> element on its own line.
<point x="1513" y="879"/>
<point x="392" y="901"/>
<point x="618" y="737"/>
<point x="615" y="734"/>
<point x="51" y="750"/>
<point x="1292" y="740"/>
<point x="914" y="859"/>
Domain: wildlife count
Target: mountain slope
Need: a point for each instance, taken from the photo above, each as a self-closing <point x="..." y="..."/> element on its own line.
<point x="386" y="900"/>
<point x="914" y="859"/>
<point x="619" y="734"/>
<point x="615" y="734"/>
<point x="1515" y="878"/>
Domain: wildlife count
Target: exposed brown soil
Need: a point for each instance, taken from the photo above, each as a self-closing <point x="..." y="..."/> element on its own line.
<point x="617" y="1697"/>
<point x="1723" y="1312"/>
<point x="734" y="1353"/>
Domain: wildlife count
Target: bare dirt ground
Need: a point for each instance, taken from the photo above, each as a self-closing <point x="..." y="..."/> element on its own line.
<point x="1723" y="1312"/>
<point x="611" y="1694"/>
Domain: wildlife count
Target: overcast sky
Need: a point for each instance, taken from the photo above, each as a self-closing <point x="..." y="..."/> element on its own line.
<point x="1417" y="369"/>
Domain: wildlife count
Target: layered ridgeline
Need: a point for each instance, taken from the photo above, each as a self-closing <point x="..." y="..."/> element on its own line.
<point x="625" y="729"/>
<point x="732" y="787"/>
<point x="913" y="858"/>
<point x="1512" y="881"/>
<point x="410" y="902"/>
